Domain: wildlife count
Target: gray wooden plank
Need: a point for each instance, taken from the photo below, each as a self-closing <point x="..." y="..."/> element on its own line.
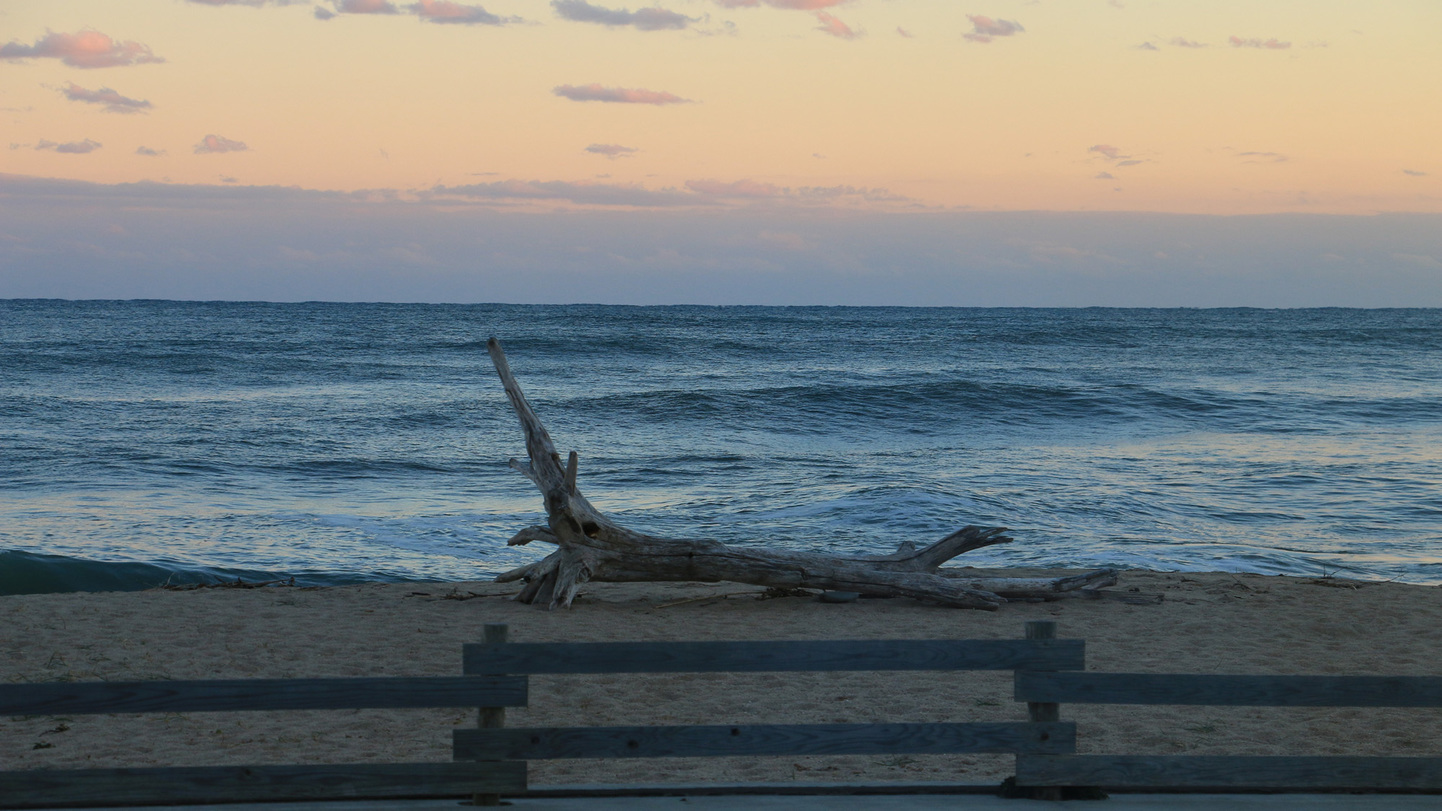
<point x="228" y="695"/>
<point x="742" y="657"/>
<point x="1250" y="691"/>
<point x="546" y="743"/>
<point x="1223" y="772"/>
<point x="156" y="786"/>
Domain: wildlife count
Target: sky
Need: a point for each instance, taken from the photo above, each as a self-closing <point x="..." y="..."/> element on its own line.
<point x="996" y="152"/>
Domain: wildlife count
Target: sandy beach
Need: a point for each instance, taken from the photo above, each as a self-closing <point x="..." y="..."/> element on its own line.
<point x="1207" y="623"/>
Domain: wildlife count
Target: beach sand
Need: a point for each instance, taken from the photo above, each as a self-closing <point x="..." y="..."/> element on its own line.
<point x="1208" y="623"/>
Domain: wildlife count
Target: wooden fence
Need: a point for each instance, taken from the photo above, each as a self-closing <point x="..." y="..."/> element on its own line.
<point x="54" y="788"/>
<point x="543" y="743"/>
<point x="1230" y="772"/>
<point x="490" y="760"/>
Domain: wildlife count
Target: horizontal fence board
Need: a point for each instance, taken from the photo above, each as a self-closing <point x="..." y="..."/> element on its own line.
<point x="1249" y="691"/>
<point x="744" y="657"/>
<point x="1197" y="771"/>
<point x="780" y="739"/>
<point x="231" y="695"/>
<point x="113" y="787"/>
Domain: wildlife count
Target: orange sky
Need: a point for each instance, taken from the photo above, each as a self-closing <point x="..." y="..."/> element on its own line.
<point x="1045" y="152"/>
<point x="1208" y="107"/>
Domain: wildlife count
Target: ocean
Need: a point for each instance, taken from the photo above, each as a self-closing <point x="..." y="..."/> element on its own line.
<point x="153" y="442"/>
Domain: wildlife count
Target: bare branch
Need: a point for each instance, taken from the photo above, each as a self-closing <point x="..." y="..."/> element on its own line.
<point x="592" y="547"/>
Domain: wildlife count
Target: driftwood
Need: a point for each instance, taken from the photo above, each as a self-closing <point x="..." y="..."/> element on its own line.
<point x="592" y="547"/>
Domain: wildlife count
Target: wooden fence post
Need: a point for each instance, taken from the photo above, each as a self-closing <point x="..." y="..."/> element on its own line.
<point x="492" y="717"/>
<point x="1040" y="711"/>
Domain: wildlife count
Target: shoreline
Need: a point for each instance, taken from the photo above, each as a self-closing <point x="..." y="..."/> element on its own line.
<point x="1207" y="623"/>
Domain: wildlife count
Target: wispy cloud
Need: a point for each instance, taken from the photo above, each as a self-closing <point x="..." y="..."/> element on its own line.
<point x="646" y="19"/>
<point x="215" y="144"/>
<point x="1420" y="260"/>
<point x="740" y="188"/>
<point x="1147" y="46"/>
<point x="1183" y="42"/>
<point x="704" y="193"/>
<point x="1104" y="176"/>
<point x="903" y="32"/>
<point x="985" y="29"/>
<point x="256" y="3"/>
<point x="1262" y="157"/>
<point x="1115" y="155"/>
<point x="595" y="194"/>
<point x="366" y="7"/>
<point x="69" y="148"/>
<point x="109" y="100"/>
<point x="445" y="12"/>
<point x="148" y="152"/>
<point x="84" y="49"/>
<point x="1413" y="173"/>
<point x="834" y="193"/>
<point x="617" y="95"/>
<point x="834" y="27"/>
<point x="795" y="5"/>
<point x="324" y="13"/>
<point x="1267" y="44"/>
<point x="612" y="150"/>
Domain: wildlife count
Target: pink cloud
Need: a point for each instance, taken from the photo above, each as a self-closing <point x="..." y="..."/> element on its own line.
<point x="71" y="148"/>
<point x="834" y="27"/>
<point x="446" y="12"/>
<point x="903" y="32"/>
<point x="646" y="19"/>
<point x="1270" y="44"/>
<point x="618" y="95"/>
<point x="215" y="144"/>
<point x="985" y="29"/>
<point x="83" y="49"/>
<point x="739" y="188"/>
<point x="1183" y="42"/>
<point x="112" y="101"/>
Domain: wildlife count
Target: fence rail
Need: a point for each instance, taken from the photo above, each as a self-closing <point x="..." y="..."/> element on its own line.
<point x="1274" y="772"/>
<point x="59" y="788"/>
<point x="770" y="656"/>
<point x="1241" y="691"/>
<point x="246" y="695"/>
<point x="546" y="743"/>
<point x="1226" y="771"/>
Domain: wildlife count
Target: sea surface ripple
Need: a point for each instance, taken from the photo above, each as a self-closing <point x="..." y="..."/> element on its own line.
<point x="145" y="442"/>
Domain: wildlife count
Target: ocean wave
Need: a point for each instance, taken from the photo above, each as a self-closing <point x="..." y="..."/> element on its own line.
<point x="33" y="573"/>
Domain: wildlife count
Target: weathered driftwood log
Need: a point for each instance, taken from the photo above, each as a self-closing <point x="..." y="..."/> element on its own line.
<point x="592" y="547"/>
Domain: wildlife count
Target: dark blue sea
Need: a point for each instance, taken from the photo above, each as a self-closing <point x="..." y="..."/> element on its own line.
<point x="151" y="442"/>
